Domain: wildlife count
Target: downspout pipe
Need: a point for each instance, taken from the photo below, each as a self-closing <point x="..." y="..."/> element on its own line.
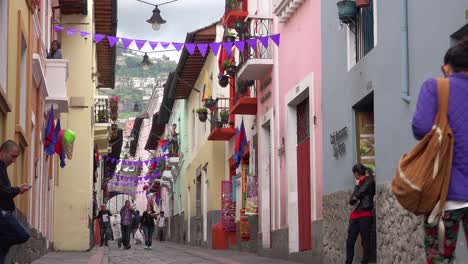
<point x="405" y="94"/>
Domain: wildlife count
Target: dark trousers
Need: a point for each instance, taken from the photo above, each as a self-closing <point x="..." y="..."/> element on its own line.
<point x="12" y="232"/>
<point x="148" y="230"/>
<point x="361" y="226"/>
<point x="161" y="233"/>
<point x="126" y="229"/>
<point x="104" y="233"/>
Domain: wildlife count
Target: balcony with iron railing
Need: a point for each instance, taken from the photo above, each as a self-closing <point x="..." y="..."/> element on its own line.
<point x="102" y="111"/>
<point x="245" y="98"/>
<point x="222" y="123"/>
<point x="257" y="61"/>
<point x="235" y="10"/>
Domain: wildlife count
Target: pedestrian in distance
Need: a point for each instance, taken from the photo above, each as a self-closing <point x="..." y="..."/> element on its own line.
<point x="104" y="224"/>
<point x="147" y="224"/>
<point x="126" y="216"/>
<point x="116" y="229"/>
<point x="12" y="232"/>
<point x="360" y="221"/>
<point x="135" y="222"/>
<point x="455" y="69"/>
<point x="161" y="220"/>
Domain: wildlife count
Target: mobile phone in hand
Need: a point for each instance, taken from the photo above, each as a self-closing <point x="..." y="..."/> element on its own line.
<point x="29" y="186"/>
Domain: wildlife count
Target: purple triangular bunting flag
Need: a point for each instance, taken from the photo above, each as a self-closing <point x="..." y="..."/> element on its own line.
<point x="215" y="48"/>
<point x="240" y="45"/>
<point x="124" y="163"/>
<point x="165" y="44"/>
<point x="146" y="162"/>
<point x="276" y="39"/>
<point x="126" y="42"/>
<point x="228" y="47"/>
<point x="153" y="44"/>
<point x="140" y="163"/>
<point x="178" y="46"/>
<point x="252" y="43"/>
<point x="112" y="40"/>
<point x="71" y="31"/>
<point x="140" y="43"/>
<point x="202" y="47"/>
<point x="84" y="34"/>
<point x="58" y="28"/>
<point x="190" y="48"/>
<point x="264" y="41"/>
<point x="98" y="37"/>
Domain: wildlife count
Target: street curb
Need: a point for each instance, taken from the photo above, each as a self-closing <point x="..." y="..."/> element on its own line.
<point x="97" y="257"/>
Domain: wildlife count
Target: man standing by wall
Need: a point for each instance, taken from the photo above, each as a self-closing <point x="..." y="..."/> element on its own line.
<point x="161" y="225"/>
<point x="11" y="230"/>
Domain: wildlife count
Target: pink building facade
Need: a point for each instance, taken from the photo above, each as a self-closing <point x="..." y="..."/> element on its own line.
<point x="290" y="133"/>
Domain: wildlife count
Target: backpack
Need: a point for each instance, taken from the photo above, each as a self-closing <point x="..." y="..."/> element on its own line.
<point x="423" y="174"/>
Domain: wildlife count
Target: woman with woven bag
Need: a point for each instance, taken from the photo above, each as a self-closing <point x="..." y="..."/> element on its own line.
<point x="455" y="68"/>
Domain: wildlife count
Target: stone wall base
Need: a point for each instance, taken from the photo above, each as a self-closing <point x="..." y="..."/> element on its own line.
<point x="398" y="237"/>
<point x="33" y="249"/>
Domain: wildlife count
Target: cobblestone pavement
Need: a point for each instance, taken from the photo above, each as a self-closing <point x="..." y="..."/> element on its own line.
<point x="162" y="253"/>
<point x="167" y="252"/>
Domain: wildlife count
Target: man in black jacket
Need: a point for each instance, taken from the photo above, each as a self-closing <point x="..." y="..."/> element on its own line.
<point x="12" y="232"/>
<point x="104" y="223"/>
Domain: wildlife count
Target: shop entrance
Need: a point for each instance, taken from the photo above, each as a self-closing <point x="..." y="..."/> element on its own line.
<point x="365" y="146"/>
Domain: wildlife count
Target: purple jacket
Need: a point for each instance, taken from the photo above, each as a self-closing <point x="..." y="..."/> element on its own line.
<point x="423" y="121"/>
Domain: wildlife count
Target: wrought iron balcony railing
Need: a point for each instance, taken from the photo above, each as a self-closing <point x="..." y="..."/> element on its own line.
<point x="101" y="110"/>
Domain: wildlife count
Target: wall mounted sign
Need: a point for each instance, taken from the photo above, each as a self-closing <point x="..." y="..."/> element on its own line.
<point x="337" y="141"/>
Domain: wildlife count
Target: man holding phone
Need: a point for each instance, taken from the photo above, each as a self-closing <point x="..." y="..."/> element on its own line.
<point x="12" y="232"/>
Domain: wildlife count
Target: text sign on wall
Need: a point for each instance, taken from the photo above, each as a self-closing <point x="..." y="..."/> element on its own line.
<point x="337" y="141"/>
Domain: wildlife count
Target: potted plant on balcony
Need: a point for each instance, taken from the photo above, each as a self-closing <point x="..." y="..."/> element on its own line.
<point x="202" y="114"/>
<point x="233" y="5"/>
<point x="223" y="80"/>
<point x="347" y="11"/>
<point x="242" y="86"/>
<point x="224" y="115"/>
<point x="229" y="35"/>
<point x="209" y="102"/>
<point x="362" y="3"/>
<point x="230" y="67"/>
<point x="114" y="103"/>
<point x="114" y="116"/>
<point x="102" y="116"/>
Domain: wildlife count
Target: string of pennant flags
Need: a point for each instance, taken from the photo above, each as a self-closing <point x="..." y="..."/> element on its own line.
<point x="136" y="163"/>
<point x="127" y="183"/>
<point x="190" y="47"/>
<point x="130" y="193"/>
<point x="136" y="179"/>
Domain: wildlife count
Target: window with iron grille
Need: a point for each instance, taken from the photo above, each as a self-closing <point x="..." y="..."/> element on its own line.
<point x="303" y="131"/>
<point x="364" y="30"/>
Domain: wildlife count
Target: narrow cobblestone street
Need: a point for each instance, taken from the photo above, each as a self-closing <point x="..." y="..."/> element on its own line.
<point x="166" y="252"/>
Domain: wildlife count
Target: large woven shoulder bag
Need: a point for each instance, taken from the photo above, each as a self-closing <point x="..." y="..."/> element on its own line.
<point x="423" y="174"/>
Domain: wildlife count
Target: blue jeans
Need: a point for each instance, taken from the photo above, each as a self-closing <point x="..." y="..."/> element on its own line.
<point x="12" y="232"/>
<point x="148" y="230"/>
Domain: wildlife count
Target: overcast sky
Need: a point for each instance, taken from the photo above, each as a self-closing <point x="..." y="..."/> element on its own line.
<point x="182" y="17"/>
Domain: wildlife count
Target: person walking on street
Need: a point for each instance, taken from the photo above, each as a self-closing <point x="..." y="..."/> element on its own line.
<point x="126" y="216"/>
<point x="12" y="232"/>
<point x="455" y="68"/>
<point x="360" y="221"/>
<point x="116" y="229"/>
<point x="104" y="223"/>
<point x="135" y="222"/>
<point x="161" y="226"/>
<point x="147" y="223"/>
